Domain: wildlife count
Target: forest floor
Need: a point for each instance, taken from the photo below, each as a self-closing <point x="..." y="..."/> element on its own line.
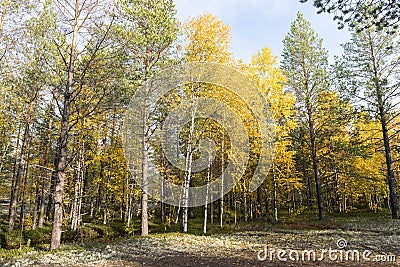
<point x="377" y="240"/>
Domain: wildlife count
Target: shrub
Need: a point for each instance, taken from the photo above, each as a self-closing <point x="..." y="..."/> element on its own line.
<point x="38" y="236"/>
<point x="88" y="233"/>
<point x="13" y="240"/>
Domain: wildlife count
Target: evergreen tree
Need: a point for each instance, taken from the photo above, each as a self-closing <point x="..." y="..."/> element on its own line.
<point x="305" y="63"/>
<point x="368" y="74"/>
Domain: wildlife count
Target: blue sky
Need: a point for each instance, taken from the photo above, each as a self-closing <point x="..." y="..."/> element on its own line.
<point x="259" y="23"/>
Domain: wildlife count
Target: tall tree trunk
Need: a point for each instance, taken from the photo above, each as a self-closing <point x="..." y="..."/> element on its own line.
<point x="211" y="212"/>
<point x="36" y="204"/>
<point x="390" y="173"/>
<point x="188" y="168"/>
<point x="382" y="116"/>
<point x="251" y="209"/>
<point x="275" y="195"/>
<point x="144" y="224"/>
<point x="320" y="202"/>
<point x="221" y="214"/>
<point x="22" y="211"/>
<point x="110" y="167"/>
<point x="130" y="208"/>
<point x="162" y="203"/>
<point x="16" y="186"/>
<point x="76" y="204"/>
<point x="235" y="208"/>
<point x="15" y="165"/>
<point x="127" y="196"/>
<point x="309" y="186"/>
<point x="266" y="204"/>
<point x="124" y="199"/>
<point x="45" y="164"/>
<point x="59" y="175"/>
<point x="145" y="168"/>
<point x="258" y="205"/>
<point x="62" y="152"/>
<point x="207" y="190"/>
<point x="105" y="217"/>
<point x="245" y="206"/>
<point x="104" y="162"/>
<point x="163" y="177"/>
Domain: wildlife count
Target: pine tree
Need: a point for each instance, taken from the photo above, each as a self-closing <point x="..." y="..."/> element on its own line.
<point x="368" y="74"/>
<point x="305" y="66"/>
<point x="147" y="30"/>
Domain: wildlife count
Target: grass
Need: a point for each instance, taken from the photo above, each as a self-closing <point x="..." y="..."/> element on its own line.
<point x="93" y="235"/>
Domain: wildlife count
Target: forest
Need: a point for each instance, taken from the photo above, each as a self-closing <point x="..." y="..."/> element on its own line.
<point x="70" y="172"/>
